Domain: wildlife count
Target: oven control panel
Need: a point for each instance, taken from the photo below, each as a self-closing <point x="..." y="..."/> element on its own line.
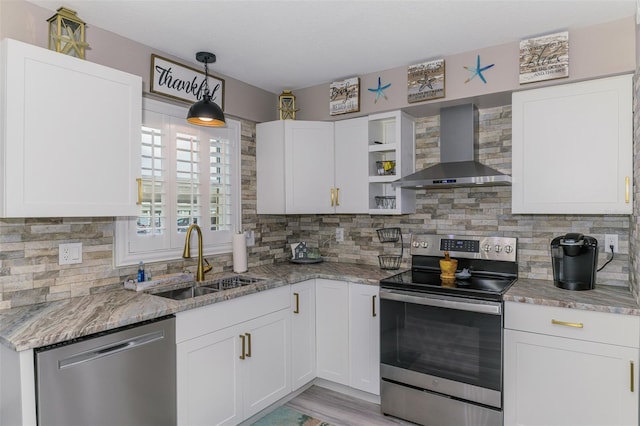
<point x="472" y="247"/>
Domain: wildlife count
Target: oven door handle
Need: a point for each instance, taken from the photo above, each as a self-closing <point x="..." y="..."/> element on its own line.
<point x="492" y="308"/>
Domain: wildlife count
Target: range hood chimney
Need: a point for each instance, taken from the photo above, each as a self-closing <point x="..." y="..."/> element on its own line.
<point x="458" y="153"/>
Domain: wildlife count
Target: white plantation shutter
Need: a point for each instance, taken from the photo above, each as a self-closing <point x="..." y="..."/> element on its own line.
<point x="220" y="204"/>
<point x="189" y="174"/>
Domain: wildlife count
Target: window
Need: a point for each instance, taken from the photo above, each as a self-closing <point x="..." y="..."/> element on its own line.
<point x="188" y="174"/>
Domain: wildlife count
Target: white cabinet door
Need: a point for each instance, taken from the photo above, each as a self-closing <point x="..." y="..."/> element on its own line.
<point x="71" y="144"/>
<point x="308" y="167"/>
<point x="266" y="367"/>
<point x="364" y="338"/>
<point x="270" y="193"/>
<point x="229" y="375"/>
<point x="332" y="331"/>
<point x="233" y="358"/>
<point x="572" y="148"/>
<point x="351" y="165"/>
<point x="558" y="381"/>
<point x="208" y="379"/>
<point x="303" y="333"/>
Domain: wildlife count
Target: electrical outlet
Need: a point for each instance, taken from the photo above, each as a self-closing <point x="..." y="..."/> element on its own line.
<point x="610" y="240"/>
<point x="339" y="235"/>
<point x="70" y="253"/>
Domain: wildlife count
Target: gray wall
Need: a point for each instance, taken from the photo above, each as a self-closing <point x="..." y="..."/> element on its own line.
<point x="28" y="23"/>
<point x="599" y="50"/>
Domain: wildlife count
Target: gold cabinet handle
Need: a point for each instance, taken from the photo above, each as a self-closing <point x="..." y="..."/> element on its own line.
<point x="337" y="197"/>
<point x="627" y="185"/>
<point x="248" y="344"/>
<point x="373" y="306"/>
<point x="139" y="180"/>
<point x="631" y="376"/>
<point x="242" y="351"/>
<point x="332" y="198"/>
<point x="297" y="309"/>
<point x="568" y="324"/>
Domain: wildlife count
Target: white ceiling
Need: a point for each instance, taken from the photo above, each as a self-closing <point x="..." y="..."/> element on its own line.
<point x="278" y="45"/>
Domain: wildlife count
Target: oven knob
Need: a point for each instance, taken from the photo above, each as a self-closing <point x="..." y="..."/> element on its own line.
<point x="487" y="247"/>
<point x="424" y="244"/>
<point x="416" y="244"/>
<point x="498" y="248"/>
<point x="508" y="249"/>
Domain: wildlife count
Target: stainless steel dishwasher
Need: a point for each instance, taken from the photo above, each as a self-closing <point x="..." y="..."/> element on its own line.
<point x="125" y="376"/>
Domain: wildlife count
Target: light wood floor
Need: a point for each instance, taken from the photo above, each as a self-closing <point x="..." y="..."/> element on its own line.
<point x="341" y="410"/>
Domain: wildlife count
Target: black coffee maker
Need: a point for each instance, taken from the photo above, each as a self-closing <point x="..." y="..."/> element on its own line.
<point x="575" y="260"/>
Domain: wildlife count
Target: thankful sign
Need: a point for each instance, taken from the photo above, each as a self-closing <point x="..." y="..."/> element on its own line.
<point x="183" y="83"/>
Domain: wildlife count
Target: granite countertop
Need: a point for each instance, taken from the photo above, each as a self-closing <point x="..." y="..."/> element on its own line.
<point x="603" y="298"/>
<point x="43" y="324"/>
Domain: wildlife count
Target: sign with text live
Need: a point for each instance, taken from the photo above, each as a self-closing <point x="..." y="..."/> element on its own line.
<point x="183" y="83"/>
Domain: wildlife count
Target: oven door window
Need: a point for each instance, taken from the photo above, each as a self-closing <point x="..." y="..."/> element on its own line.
<point x="453" y="344"/>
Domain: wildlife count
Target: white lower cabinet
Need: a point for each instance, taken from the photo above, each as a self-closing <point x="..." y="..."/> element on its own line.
<point x="233" y="358"/>
<point x="570" y="367"/>
<point x="303" y="333"/>
<point x="332" y="331"/>
<point x="364" y="338"/>
<point x="348" y="334"/>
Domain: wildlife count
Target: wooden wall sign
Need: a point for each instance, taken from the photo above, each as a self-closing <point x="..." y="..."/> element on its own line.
<point x="425" y="81"/>
<point x="183" y="83"/>
<point x="344" y="96"/>
<point x="544" y="58"/>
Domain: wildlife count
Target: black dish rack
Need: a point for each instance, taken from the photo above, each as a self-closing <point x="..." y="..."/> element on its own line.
<point x="390" y="235"/>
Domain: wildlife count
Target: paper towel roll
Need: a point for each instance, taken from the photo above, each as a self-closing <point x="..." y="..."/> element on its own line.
<point x="239" y="253"/>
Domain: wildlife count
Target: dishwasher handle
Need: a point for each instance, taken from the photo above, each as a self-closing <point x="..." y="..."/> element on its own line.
<point x="113" y="348"/>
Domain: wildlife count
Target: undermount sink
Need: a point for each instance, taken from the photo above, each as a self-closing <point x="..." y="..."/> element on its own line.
<point x="232" y="282"/>
<point x="185" y="293"/>
<point x="215" y="286"/>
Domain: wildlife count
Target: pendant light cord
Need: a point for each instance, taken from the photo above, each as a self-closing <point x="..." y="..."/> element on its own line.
<point x="206" y="79"/>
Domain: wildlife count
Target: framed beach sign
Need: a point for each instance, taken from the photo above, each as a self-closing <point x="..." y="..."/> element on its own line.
<point x="425" y="81"/>
<point x="344" y="96"/>
<point x="183" y="83"/>
<point x="544" y="58"/>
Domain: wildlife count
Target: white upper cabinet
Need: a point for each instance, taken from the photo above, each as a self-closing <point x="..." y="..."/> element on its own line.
<point x="71" y="135"/>
<point x="346" y="167"/>
<point x="351" y="165"/>
<point x="391" y="138"/>
<point x="303" y="167"/>
<point x="308" y="165"/>
<point x="572" y="148"/>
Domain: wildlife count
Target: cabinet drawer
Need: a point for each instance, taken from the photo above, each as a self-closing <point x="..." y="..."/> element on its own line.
<point x="214" y="317"/>
<point x="617" y="329"/>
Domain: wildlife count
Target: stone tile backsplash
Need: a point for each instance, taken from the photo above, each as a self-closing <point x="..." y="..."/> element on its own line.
<point x="29" y="270"/>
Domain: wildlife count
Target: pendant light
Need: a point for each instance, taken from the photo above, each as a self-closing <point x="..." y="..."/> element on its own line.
<point x="206" y="112"/>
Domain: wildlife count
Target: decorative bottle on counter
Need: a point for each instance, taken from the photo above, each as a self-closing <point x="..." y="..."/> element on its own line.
<point x="141" y="272"/>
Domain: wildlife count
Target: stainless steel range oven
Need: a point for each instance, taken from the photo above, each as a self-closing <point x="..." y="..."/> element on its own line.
<point x="441" y="341"/>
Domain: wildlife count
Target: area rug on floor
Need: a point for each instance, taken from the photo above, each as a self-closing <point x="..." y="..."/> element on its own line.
<point x="285" y="416"/>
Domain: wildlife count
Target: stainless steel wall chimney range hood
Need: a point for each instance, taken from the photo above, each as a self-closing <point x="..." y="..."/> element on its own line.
<point x="458" y="152"/>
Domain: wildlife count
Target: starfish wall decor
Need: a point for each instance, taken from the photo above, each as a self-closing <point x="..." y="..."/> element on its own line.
<point x="379" y="91"/>
<point x="478" y="71"/>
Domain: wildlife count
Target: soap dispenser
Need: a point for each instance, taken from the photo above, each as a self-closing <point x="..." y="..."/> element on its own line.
<point x="141" y="272"/>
